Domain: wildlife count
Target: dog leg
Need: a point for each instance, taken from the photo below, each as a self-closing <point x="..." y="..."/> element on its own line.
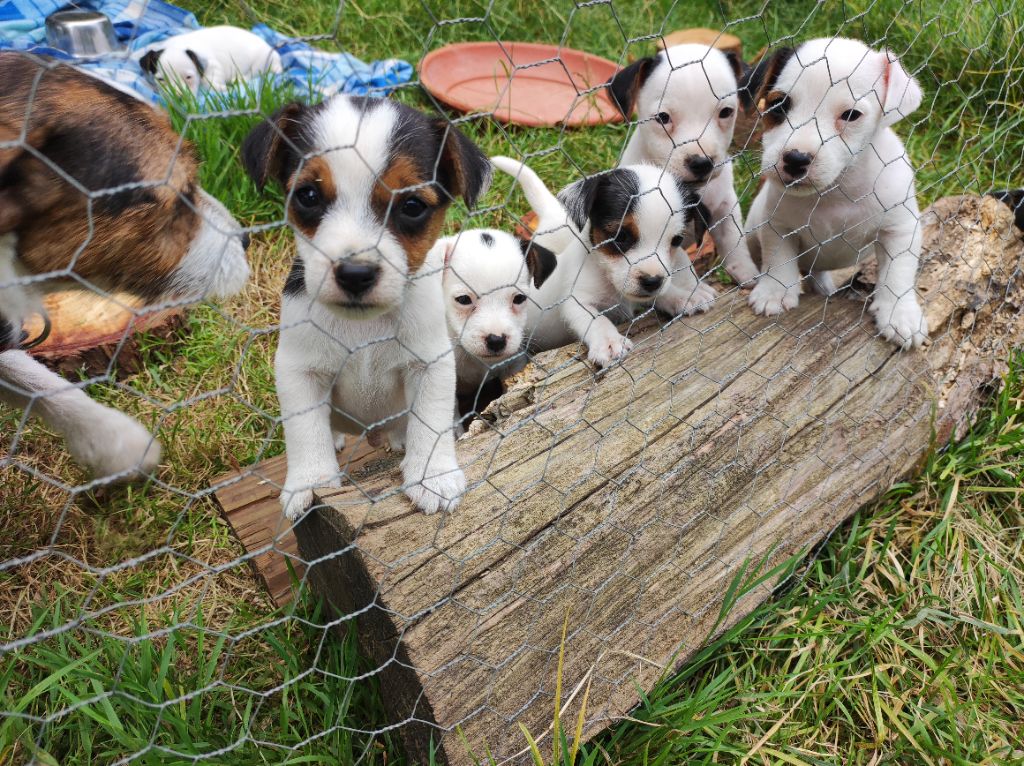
<point x="112" y="445"/>
<point x="778" y="288"/>
<point x="822" y="283"/>
<point x="434" y="482"/>
<point x="895" y="308"/>
<point x="305" y="396"/>
<point x="727" y="232"/>
<point x="604" y="342"/>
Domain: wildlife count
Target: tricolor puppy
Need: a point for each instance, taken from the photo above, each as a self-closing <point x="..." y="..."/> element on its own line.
<point x="214" y="57"/>
<point x="363" y="341"/>
<point x="838" y="185"/>
<point x="96" y="187"/>
<point x="687" y="98"/>
<point x="489" y="277"/>
<point x="625" y="253"/>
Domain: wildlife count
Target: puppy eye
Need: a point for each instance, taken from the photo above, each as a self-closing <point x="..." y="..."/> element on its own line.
<point x="663" y="118"/>
<point x="413" y="207"/>
<point x="677" y="240"/>
<point x="624" y="241"/>
<point x="850" y="115"/>
<point x="726" y="113"/>
<point x="778" y="106"/>
<point x="464" y="300"/>
<point x="307" y="196"/>
<point x="519" y="299"/>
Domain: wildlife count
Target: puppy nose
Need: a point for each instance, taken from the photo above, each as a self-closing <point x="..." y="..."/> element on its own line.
<point x="356" y="278"/>
<point x="650" y="282"/>
<point x="795" y="163"/>
<point x="496" y="343"/>
<point x="246" y="239"/>
<point x="699" y="166"/>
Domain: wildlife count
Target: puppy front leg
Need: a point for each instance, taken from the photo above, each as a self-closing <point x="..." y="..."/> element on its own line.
<point x="433" y="480"/>
<point x="304" y="395"/>
<point x="686" y="294"/>
<point x="730" y="242"/>
<point x="604" y="342"/>
<point x="778" y="288"/>
<point x="897" y="313"/>
<point x="112" y="445"/>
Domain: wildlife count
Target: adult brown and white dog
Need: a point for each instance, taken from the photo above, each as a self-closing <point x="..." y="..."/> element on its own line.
<point x="364" y="347"/>
<point x="97" y="188"/>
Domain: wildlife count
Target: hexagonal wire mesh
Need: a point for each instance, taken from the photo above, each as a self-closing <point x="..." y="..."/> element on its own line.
<point x="621" y="503"/>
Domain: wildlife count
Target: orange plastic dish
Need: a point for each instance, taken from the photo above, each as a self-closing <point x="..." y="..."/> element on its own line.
<point x="528" y="84"/>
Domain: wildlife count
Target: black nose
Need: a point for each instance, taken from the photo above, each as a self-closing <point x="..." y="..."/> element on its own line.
<point x="246" y="239"/>
<point x="356" y="278"/>
<point x="496" y="343"/>
<point x="700" y="166"/>
<point x="795" y="163"/>
<point x="651" y="283"/>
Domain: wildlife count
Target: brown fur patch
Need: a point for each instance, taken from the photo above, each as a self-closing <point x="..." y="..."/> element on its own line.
<point x="772" y="117"/>
<point x="603" y="237"/>
<point x="97" y="138"/>
<point x="404" y="173"/>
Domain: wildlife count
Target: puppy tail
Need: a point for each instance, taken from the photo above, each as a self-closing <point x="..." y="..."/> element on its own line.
<point x="555" y="231"/>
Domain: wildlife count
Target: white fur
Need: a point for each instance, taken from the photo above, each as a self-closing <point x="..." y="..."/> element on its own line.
<point x="496" y="279"/>
<point x="589" y="292"/>
<point x="387" y="364"/>
<point x="858" y="195"/>
<point x="693" y="84"/>
<point x="226" y="54"/>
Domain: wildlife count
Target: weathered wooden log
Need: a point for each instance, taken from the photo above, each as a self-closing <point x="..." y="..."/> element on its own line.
<point x="629" y="502"/>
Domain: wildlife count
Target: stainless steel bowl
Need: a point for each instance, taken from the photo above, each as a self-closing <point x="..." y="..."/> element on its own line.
<point x="83" y="34"/>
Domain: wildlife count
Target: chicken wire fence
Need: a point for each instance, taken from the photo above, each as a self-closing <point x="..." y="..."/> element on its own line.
<point x="139" y="629"/>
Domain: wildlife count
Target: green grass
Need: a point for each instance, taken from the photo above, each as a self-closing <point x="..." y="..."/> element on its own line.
<point x="899" y="641"/>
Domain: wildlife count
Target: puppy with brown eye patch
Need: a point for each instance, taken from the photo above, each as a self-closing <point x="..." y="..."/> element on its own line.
<point x="623" y="252"/>
<point x="364" y="346"/>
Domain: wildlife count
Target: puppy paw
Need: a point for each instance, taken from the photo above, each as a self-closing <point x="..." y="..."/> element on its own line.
<point x="742" y="270"/>
<point x="771" y="298"/>
<point x="607" y="349"/>
<point x="686" y="303"/>
<point x="901" y="322"/>
<point x="116" y="447"/>
<point x="297" y="497"/>
<point x="441" y="492"/>
<point x="339" y="441"/>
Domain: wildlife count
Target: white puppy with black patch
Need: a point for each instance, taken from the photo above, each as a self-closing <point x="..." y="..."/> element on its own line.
<point x="213" y="56"/>
<point x="838" y="185"/>
<point x="363" y="345"/>
<point x="687" y="98"/>
<point x="489" y="278"/>
<point x="623" y="252"/>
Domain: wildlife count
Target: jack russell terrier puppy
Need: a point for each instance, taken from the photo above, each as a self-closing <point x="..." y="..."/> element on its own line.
<point x="364" y="344"/>
<point x="96" y="186"/>
<point x="624" y="251"/>
<point x="214" y="56"/>
<point x="687" y="99"/>
<point x="838" y="184"/>
<point x="489" y="277"/>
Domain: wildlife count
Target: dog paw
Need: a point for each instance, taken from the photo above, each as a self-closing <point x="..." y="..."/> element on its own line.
<point x="441" y="492"/>
<point x="771" y="298"/>
<point x="685" y="303"/>
<point x="115" y="447"/>
<point x="742" y="270"/>
<point x="604" y="351"/>
<point x="297" y="497"/>
<point x="339" y="441"/>
<point x="901" y="322"/>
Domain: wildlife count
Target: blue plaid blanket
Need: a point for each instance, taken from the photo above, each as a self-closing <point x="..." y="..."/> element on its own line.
<point x="140" y="24"/>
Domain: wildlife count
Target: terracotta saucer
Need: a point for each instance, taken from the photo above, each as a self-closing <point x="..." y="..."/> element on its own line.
<point x="522" y="83"/>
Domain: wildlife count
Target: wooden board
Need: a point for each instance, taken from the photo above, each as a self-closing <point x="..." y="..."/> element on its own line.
<point x="628" y="502"/>
<point x="90" y="330"/>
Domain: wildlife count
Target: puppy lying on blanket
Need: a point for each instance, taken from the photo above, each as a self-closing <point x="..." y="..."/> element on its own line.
<point x="363" y="345"/>
<point x="97" y="187"/>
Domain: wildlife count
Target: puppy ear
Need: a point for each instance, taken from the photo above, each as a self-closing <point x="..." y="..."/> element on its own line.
<point x="200" y="66"/>
<point x="761" y="79"/>
<point x="269" y="151"/>
<point x="902" y="93"/>
<point x="540" y="261"/>
<point x="149" y="61"/>
<point x="465" y="170"/>
<point x="625" y="85"/>
<point x="578" y="199"/>
<point x="740" y="68"/>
